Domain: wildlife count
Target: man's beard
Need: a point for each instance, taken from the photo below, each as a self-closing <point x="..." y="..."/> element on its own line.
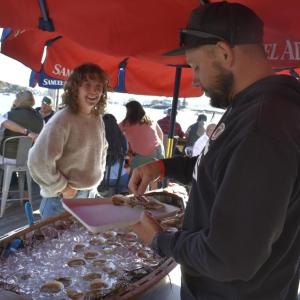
<point x="219" y="93"/>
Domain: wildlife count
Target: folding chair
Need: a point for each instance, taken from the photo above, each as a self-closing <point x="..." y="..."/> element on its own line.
<point x="7" y="167"/>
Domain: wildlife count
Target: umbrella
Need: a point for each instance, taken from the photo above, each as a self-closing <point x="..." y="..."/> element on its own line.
<point x="119" y="28"/>
<point x="144" y="30"/>
<point x="282" y="33"/>
<point x="62" y="55"/>
<point x="132" y="75"/>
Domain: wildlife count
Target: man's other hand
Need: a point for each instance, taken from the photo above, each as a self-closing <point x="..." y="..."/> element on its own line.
<point x="146" y="228"/>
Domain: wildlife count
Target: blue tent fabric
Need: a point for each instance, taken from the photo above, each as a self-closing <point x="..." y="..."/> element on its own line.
<point x="44" y="81"/>
<point x="5" y="33"/>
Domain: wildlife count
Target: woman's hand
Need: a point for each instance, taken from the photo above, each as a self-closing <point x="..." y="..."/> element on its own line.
<point x="33" y="136"/>
<point x="68" y="192"/>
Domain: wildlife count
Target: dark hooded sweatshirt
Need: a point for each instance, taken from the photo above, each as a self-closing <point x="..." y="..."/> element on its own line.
<point x="241" y="233"/>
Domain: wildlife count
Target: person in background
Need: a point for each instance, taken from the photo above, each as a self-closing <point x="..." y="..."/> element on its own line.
<point x="195" y="130"/>
<point x="46" y="110"/>
<point x="23" y="114"/>
<point x="165" y="122"/>
<point x="144" y="136"/>
<point x="202" y="141"/>
<point x="68" y="158"/>
<point x="117" y="149"/>
<point x="240" y="237"/>
<point x="10" y="125"/>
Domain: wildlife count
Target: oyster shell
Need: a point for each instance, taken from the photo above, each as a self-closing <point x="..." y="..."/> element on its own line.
<point x="90" y="254"/>
<point x="66" y="281"/>
<point x="98" y="284"/>
<point x="99" y="262"/>
<point x="74" y="293"/>
<point x="52" y="287"/>
<point x="78" y="247"/>
<point x="76" y="262"/>
<point x="119" y="199"/>
<point x="98" y="241"/>
<point x="130" y="237"/>
<point x="110" y="234"/>
<point x="91" y="276"/>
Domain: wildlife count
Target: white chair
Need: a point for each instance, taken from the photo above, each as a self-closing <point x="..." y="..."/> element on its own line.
<point x="8" y="166"/>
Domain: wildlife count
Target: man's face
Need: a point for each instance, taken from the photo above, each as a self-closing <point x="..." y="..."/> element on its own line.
<point x="89" y="94"/>
<point x="209" y="75"/>
<point x="46" y="108"/>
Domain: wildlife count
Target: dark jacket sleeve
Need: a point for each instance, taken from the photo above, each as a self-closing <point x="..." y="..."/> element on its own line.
<point x="247" y="217"/>
<point x="180" y="168"/>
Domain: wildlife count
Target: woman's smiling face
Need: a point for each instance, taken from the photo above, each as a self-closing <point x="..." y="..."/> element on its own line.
<point x="89" y="94"/>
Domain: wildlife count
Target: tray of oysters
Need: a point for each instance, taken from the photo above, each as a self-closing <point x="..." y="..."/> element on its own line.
<point x="101" y="214"/>
<point x="64" y="260"/>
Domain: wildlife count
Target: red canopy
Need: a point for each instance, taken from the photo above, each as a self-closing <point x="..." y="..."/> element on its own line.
<point x="149" y="28"/>
<point x="117" y="28"/>
<point x="282" y="31"/>
<point x="142" y="76"/>
<point x="135" y="29"/>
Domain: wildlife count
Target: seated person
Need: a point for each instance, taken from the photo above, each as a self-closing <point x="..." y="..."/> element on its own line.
<point x="195" y="130"/>
<point x="25" y="116"/>
<point x="201" y="142"/>
<point x="46" y="110"/>
<point x="117" y="148"/>
<point x="193" y="133"/>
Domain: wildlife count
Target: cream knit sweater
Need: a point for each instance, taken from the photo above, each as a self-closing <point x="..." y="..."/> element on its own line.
<point x="70" y="150"/>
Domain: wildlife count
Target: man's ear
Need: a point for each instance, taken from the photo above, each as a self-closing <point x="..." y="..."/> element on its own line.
<point x="225" y="54"/>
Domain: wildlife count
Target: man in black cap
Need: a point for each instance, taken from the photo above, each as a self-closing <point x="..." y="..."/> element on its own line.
<point x="241" y="233"/>
<point x="46" y="110"/>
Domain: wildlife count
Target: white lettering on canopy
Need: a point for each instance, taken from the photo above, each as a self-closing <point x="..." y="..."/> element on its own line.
<point x="290" y="51"/>
<point x="17" y="32"/>
<point x="62" y="71"/>
<point x="271" y="51"/>
<point x="53" y="82"/>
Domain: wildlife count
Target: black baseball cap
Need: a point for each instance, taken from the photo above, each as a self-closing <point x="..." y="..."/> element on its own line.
<point x="233" y="23"/>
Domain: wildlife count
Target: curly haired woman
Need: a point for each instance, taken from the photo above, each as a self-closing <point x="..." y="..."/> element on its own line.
<point x="68" y="158"/>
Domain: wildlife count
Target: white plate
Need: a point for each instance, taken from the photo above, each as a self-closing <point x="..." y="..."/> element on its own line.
<point x="100" y="214"/>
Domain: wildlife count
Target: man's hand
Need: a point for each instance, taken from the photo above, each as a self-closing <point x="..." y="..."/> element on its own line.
<point x="68" y="192"/>
<point x="142" y="176"/>
<point x="146" y="228"/>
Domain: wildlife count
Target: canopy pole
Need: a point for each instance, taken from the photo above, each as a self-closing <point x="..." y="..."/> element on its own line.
<point x="294" y="73"/>
<point x="45" y="23"/>
<point x="57" y="100"/>
<point x="170" y="145"/>
<point x="121" y="88"/>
